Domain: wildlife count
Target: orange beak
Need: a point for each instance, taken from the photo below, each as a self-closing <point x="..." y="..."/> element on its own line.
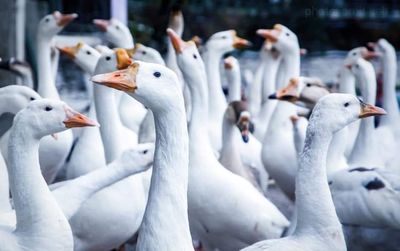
<point x="271" y="35"/>
<point x="289" y="93"/>
<point x="102" y="24"/>
<point x="368" y="110"/>
<point x="197" y="40"/>
<point x="132" y="51"/>
<point x="228" y="63"/>
<point x="64" y="19"/>
<point x="123" y="59"/>
<point x="123" y="80"/>
<point x="176" y="41"/>
<point x="75" y="119"/>
<point x="240" y="43"/>
<point x="70" y="51"/>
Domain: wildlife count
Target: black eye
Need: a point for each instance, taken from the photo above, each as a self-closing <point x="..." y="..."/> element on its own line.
<point x="195" y="56"/>
<point x="88" y="52"/>
<point x="354" y="53"/>
<point x="108" y="58"/>
<point x="144" y="53"/>
<point x="117" y="27"/>
<point x="145" y="151"/>
<point x="308" y="85"/>
<point x="48" y="108"/>
<point x="32" y="98"/>
<point x="157" y="74"/>
<point x="287" y="34"/>
<point x="346" y="104"/>
<point x="357" y="66"/>
<point x="223" y="37"/>
<point x="47" y="20"/>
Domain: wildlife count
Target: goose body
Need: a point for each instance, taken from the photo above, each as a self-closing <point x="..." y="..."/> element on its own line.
<point x="40" y="223"/>
<point x="316" y="230"/>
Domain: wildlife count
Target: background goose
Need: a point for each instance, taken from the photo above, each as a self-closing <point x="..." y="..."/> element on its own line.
<point x="316" y="231"/>
<point x="41" y="225"/>
<point x="146" y="54"/>
<point x="165" y="225"/>
<point x="20" y="68"/>
<point x="209" y="221"/>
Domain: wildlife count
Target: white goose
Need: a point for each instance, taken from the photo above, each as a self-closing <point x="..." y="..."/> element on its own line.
<point x="146" y="54"/>
<point x="278" y="152"/>
<point x="128" y="196"/>
<point x="217" y="45"/>
<point x="53" y="152"/>
<point x="88" y="152"/>
<point x="316" y="231"/>
<point x="209" y="221"/>
<point x="250" y="151"/>
<point x="119" y="35"/>
<point x="41" y="225"/>
<point x="13" y="98"/>
<point x="165" y="225"/>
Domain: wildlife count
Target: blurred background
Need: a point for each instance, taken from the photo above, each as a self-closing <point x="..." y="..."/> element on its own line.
<point x="326" y="28"/>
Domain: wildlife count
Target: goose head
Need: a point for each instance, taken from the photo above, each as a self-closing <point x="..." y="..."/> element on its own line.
<point x="337" y="110"/>
<point x="281" y="38"/>
<point x="176" y="20"/>
<point x="359" y="52"/>
<point x="112" y="60"/>
<point x="18" y="67"/>
<point x="52" y="24"/>
<point x="140" y="157"/>
<point x="238" y="114"/>
<point x="302" y="91"/>
<point x="382" y="47"/>
<point x="17" y="97"/>
<point x="146" y="82"/>
<point x="115" y="31"/>
<point x="82" y="54"/>
<point x="146" y="54"/>
<point x="226" y="41"/>
<point x="45" y="117"/>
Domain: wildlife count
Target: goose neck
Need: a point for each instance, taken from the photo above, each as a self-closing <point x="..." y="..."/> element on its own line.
<point x="46" y="83"/>
<point x="314" y="203"/>
<point x="390" y="104"/>
<point x="336" y="158"/>
<point x="347" y="81"/>
<point x="36" y="209"/>
<point x="269" y="76"/>
<point x="233" y="77"/>
<point x="165" y="223"/>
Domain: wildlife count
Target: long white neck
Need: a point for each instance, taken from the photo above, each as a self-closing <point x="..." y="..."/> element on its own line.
<point x="46" y="83"/>
<point x="390" y="104"/>
<point x="347" y="81"/>
<point x="111" y="125"/>
<point x="336" y="158"/>
<point x="255" y="97"/>
<point x="36" y="210"/>
<point x="269" y="76"/>
<point x="217" y="101"/>
<point x="165" y="224"/>
<point x="75" y="192"/>
<point x="4" y="187"/>
<point x="314" y="204"/>
<point x="365" y="137"/>
<point x="234" y="80"/>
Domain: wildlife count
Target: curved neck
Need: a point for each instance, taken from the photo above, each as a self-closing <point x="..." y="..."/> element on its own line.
<point x="36" y="209"/>
<point x="230" y="155"/>
<point x="46" y="83"/>
<point x="390" y="104"/>
<point x="165" y="223"/>
<point x="7" y="104"/>
<point x="347" y="81"/>
<point x="217" y="101"/>
<point x="108" y="117"/>
<point x="312" y="191"/>
<point x="234" y="80"/>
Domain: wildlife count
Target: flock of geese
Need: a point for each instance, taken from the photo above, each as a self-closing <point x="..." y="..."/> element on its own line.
<point x="178" y="165"/>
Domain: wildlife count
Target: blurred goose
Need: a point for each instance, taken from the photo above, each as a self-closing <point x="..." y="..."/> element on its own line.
<point x="20" y="68"/>
<point x="41" y="225"/>
<point x="316" y="231"/>
<point x="278" y="151"/>
<point x="249" y="150"/>
<point x="146" y="54"/>
<point x="119" y="35"/>
<point x="13" y="98"/>
<point x="165" y="225"/>
<point x="216" y="46"/>
<point x="209" y="221"/>
<point x="88" y="152"/>
<point x="52" y="152"/>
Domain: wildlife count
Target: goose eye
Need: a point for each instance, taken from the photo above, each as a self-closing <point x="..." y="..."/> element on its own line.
<point x="88" y="52"/>
<point x="32" y="98"/>
<point x="117" y="27"/>
<point x="308" y="85"/>
<point x="346" y="104"/>
<point x="354" y="53"/>
<point x="145" y="151"/>
<point x="287" y="34"/>
<point x="144" y="53"/>
<point x="357" y="66"/>
<point x="195" y="56"/>
<point x="157" y="74"/>
<point x="223" y="37"/>
<point x="108" y="58"/>
<point x="48" y="108"/>
<point x="47" y="20"/>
